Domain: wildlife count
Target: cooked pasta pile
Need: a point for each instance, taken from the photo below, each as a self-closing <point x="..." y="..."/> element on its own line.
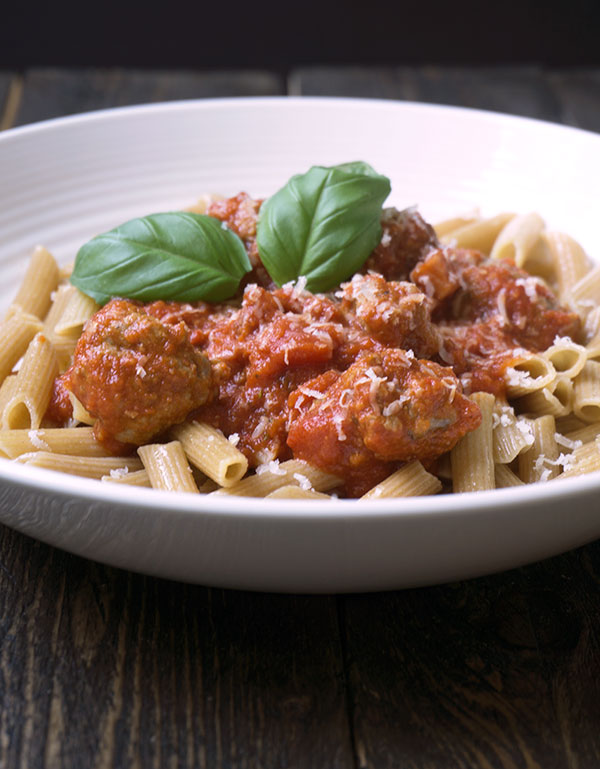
<point x="546" y="428"/>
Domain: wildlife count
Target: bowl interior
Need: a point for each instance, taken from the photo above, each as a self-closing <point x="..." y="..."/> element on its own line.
<point x="66" y="180"/>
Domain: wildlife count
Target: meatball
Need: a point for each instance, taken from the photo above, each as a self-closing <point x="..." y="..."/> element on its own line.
<point x="467" y="287"/>
<point x="136" y="375"/>
<point x="395" y="314"/>
<point x="388" y="407"/>
<point x="407" y="238"/>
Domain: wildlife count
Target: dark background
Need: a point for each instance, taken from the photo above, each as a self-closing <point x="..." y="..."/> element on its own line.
<point x="284" y="34"/>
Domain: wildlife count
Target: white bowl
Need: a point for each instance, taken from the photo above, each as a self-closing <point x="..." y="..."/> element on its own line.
<point x="64" y="181"/>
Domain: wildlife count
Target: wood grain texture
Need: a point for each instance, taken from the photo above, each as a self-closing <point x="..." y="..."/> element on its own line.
<point x="5" y="78"/>
<point x="516" y="90"/>
<point x="485" y="673"/>
<point x="104" y="668"/>
<point x="10" y="90"/>
<point x="52" y="93"/>
<point x="578" y="91"/>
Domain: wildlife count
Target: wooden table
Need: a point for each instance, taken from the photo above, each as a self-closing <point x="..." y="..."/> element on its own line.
<point x="104" y="668"/>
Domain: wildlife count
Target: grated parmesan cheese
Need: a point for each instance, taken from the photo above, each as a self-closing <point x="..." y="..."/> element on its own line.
<point x="564" y="461"/>
<point x="311" y="393"/>
<point x="530" y="284"/>
<point x="501" y="303"/>
<point x="303" y="482"/>
<point x="526" y="430"/>
<point x="562" y="340"/>
<point x="272" y="467"/>
<point x="296" y="288"/>
<point x="337" y="421"/>
<point x="516" y="378"/>
<point x="562" y="440"/>
<point x="260" y="428"/>
<point x="345" y="398"/>
<point x="119" y="472"/>
<point x="395" y="406"/>
<point x="35" y="436"/>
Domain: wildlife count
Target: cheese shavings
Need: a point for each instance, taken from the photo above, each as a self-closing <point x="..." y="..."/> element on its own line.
<point x="35" y="436"/>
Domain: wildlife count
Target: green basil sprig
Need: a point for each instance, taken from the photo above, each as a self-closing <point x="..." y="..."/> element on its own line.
<point x="179" y="256"/>
<point x="322" y="224"/>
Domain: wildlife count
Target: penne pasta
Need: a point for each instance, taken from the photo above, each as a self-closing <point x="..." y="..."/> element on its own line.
<point x="41" y="279"/>
<point x="585" y="294"/>
<point x="202" y="204"/>
<point x="87" y="467"/>
<point x="78" y="309"/>
<point x="412" y="480"/>
<point x="60" y="300"/>
<point x="60" y="440"/>
<point x="210" y="451"/>
<point x="586" y="404"/>
<point x="539" y="462"/>
<point x="511" y="434"/>
<point x="79" y="413"/>
<point x="167" y="467"/>
<point x="592" y="333"/>
<point x="585" y="433"/>
<point x="530" y="373"/>
<point x="16" y="331"/>
<point x="518" y="238"/>
<point x="447" y="227"/>
<point x="125" y="478"/>
<point x="33" y="388"/>
<point x="570" y="262"/>
<point x="480" y="235"/>
<point x="505" y="477"/>
<point x="443" y="467"/>
<point x="556" y="399"/>
<point x="472" y="457"/>
<point x="8" y="389"/>
<point x="275" y="474"/>
<point x="296" y="492"/>
<point x="569" y="423"/>
<point x="584" y="460"/>
<point x="64" y="344"/>
<point x="566" y="357"/>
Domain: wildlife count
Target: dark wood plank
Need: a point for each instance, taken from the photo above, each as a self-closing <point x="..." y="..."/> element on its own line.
<point x="578" y="91"/>
<point x="354" y="81"/>
<point x="103" y="668"/>
<point x="500" y="672"/>
<point x="5" y="79"/>
<point x="516" y="90"/>
<point x="51" y="93"/>
<point x="7" y="86"/>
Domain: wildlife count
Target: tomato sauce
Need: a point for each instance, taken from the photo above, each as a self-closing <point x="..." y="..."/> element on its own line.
<point x="357" y="381"/>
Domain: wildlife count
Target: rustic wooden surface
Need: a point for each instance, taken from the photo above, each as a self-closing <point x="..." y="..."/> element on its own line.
<point x="103" y="668"/>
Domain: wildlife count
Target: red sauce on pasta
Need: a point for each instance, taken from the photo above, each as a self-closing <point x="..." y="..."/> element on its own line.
<point x="356" y="382"/>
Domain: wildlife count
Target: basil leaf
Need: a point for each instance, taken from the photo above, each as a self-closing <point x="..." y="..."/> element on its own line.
<point x="322" y="225"/>
<point x="180" y="256"/>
